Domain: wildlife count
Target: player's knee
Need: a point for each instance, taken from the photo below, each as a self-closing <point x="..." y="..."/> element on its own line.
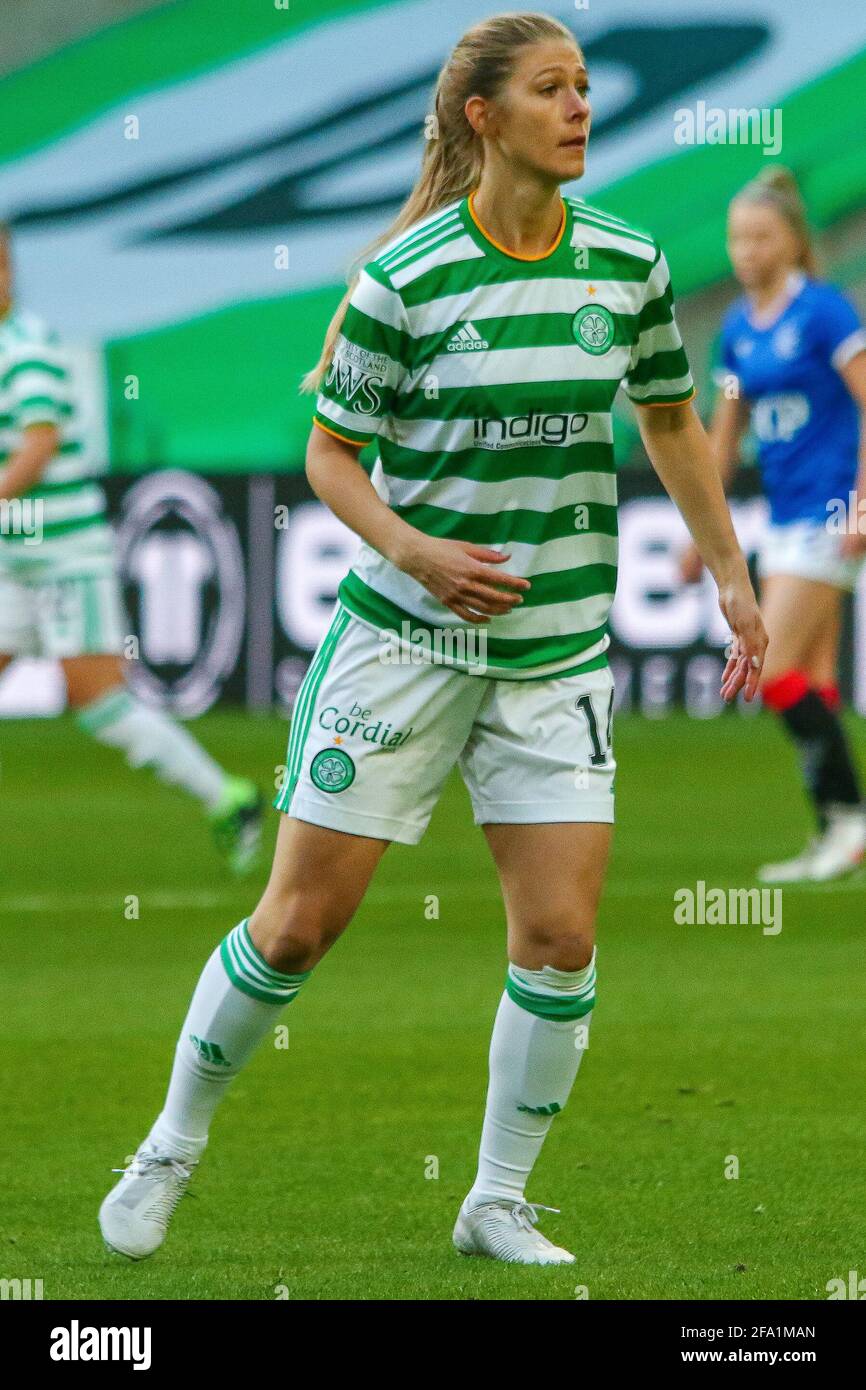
<point x="293" y="930"/>
<point x="564" y="941"/>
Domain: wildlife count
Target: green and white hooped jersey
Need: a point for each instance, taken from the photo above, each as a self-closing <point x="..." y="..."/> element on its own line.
<point x="37" y="386"/>
<point x="487" y="381"/>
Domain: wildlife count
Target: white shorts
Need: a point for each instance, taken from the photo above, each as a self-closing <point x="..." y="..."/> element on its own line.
<point x="373" y="741"/>
<point x="808" y="549"/>
<point x="59" y="615"/>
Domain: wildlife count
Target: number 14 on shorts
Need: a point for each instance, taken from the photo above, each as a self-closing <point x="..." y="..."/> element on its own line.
<point x="599" y="756"/>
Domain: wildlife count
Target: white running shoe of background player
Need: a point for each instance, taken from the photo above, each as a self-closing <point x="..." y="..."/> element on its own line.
<point x="833" y="854"/>
<point x="134" y="1216"/>
<point x="505" y="1230"/>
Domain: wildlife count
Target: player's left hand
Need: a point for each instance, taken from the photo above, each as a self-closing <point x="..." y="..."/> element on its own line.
<point x="749" y="640"/>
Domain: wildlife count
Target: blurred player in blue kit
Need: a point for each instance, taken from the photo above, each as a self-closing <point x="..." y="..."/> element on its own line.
<point x="793" y="367"/>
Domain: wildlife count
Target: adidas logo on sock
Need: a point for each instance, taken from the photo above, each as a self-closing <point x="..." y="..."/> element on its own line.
<point x="467" y="339"/>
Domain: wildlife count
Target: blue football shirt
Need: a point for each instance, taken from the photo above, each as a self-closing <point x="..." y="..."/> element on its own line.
<point x="805" y="421"/>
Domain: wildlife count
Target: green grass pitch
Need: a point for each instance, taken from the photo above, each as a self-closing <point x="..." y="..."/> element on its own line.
<point x="707" y="1041"/>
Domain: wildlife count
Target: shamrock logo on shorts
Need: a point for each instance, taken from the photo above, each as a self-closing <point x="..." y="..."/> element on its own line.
<point x="332" y="770"/>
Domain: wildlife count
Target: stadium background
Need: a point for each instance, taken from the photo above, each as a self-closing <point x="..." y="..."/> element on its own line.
<point x="261" y="128"/>
<point x="186" y="190"/>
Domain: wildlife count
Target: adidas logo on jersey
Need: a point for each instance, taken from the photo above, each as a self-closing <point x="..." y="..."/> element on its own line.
<point x="467" y="339"/>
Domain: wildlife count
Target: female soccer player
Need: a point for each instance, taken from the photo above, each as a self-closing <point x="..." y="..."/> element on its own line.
<point x="481" y="348"/>
<point x="59" y="594"/>
<point x="794" y="363"/>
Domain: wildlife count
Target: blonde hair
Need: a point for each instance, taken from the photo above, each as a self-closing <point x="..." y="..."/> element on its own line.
<point x="479" y="65"/>
<point x="776" y="187"/>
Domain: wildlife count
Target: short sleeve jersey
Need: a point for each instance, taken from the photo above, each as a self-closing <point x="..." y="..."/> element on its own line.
<point x="487" y="379"/>
<point x="37" y="386"/>
<point x="804" y="419"/>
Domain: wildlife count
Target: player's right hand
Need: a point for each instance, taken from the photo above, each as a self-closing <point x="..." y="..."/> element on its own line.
<point x="748" y="639"/>
<point x="465" y="577"/>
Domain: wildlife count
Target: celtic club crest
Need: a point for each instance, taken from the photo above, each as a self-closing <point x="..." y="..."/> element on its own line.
<point x="332" y="770"/>
<point x="593" y="328"/>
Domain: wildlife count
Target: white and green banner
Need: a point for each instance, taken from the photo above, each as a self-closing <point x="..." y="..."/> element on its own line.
<point x="187" y="189"/>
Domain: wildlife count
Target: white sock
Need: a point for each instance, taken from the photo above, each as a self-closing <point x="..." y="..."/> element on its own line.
<point x="236" y="1003"/>
<point x="539" y="1037"/>
<point x="149" y="738"/>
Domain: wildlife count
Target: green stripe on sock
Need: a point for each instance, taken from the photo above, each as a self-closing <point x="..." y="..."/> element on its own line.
<point x="104" y="711"/>
<point x="245" y="945"/>
<point x="548" y="1006"/>
<point x="243" y="985"/>
<point x="245" y="967"/>
<point x="250" y="972"/>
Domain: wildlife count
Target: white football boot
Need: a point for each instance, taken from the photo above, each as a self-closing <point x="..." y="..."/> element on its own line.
<point x="134" y="1216"/>
<point x="505" y="1230"/>
<point x="838" y="851"/>
<point x="842" y="846"/>
<point x="794" y="870"/>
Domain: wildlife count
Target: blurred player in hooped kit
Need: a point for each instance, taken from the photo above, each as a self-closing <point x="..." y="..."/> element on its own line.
<point x="60" y="596"/>
<point x="795" y="349"/>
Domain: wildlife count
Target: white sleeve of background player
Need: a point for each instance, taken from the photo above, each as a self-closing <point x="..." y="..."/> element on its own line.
<point x="848" y="348"/>
<point x="366" y="371"/>
<point x="840" y="327"/>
